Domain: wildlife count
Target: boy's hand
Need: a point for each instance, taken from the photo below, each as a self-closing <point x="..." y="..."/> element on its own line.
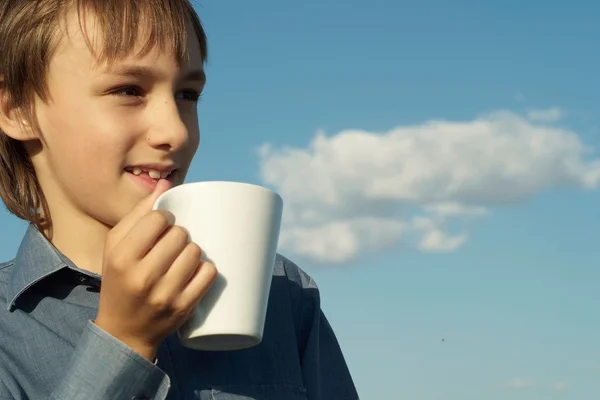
<point x="152" y="277"/>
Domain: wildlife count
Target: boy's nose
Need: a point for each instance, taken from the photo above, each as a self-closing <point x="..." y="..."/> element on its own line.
<point x="168" y="131"/>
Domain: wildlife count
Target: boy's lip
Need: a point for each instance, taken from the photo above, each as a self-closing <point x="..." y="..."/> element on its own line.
<point x="169" y="172"/>
<point x="148" y="181"/>
<point x="153" y="167"/>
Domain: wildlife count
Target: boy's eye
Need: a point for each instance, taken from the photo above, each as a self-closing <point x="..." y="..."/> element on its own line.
<point x="189" y="95"/>
<point x="137" y="92"/>
<point x="129" y="91"/>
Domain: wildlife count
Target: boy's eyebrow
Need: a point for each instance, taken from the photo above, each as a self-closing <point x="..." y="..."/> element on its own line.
<point x="139" y="71"/>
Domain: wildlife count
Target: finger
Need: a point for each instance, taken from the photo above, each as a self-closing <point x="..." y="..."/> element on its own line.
<point x="199" y="284"/>
<point x="121" y="229"/>
<point x="140" y="240"/>
<point x="183" y="268"/>
<point x="170" y="247"/>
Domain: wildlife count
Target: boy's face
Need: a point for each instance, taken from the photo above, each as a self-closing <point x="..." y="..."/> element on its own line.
<point x="101" y="126"/>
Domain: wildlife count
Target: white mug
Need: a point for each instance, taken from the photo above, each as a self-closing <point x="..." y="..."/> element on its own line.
<point x="237" y="226"/>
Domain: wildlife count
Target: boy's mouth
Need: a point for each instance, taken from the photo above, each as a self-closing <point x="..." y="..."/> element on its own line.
<point x="151" y="173"/>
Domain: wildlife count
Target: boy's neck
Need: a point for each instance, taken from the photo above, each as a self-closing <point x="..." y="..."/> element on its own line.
<point x="81" y="239"/>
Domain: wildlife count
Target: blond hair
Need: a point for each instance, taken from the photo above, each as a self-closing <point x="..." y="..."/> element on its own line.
<point x="29" y="33"/>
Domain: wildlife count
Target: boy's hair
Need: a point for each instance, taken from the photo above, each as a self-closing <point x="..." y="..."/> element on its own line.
<point x="29" y="33"/>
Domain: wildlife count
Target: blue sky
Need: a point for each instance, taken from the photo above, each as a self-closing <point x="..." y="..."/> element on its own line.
<point x="440" y="179"/>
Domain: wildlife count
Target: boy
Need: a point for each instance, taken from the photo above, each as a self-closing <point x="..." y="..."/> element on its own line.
<point x="98" y="117"/>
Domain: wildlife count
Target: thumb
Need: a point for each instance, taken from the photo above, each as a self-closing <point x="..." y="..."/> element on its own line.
<point x="138" y="211"/>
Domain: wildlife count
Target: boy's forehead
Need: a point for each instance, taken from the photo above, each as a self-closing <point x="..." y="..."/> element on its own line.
<point x="81" y="34"/>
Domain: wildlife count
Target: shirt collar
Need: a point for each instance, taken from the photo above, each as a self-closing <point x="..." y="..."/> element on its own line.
<point x="36" y="259"/>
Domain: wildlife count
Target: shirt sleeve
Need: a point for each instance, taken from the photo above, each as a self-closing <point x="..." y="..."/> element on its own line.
<point x="324" y="369"/>
<point x="103" y="368"/>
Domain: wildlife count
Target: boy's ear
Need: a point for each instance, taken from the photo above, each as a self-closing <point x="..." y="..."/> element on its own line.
<point x="12" y="121"/>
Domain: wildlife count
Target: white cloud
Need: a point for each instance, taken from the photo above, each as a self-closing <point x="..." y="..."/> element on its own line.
<point x="437" y="240"/>
<point x="337" y="241"/>
<point x="547" y="115"/>
<point x="519" y="384"/>
<point x="560" y="385"/>
<point x="357" y="191"/>
<point x="455" y="209"/>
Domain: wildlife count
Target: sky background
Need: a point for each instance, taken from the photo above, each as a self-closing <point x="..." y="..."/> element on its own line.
<point x="438" y="164"/>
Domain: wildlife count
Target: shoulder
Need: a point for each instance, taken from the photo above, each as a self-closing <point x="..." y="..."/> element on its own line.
<point x="302" y="289"/>
<point x="302" y="293"/>
<point x="295" y="274"/>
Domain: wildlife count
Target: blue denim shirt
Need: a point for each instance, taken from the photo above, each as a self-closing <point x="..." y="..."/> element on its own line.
<point x="51" y="349"/>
